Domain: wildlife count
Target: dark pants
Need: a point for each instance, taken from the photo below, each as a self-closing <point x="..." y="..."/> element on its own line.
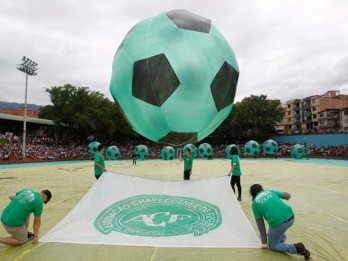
<point x="134" y="161"/>
<point x="187" y="174"/>
<point x="235" y="180"/>
<point x="97" y="177"/>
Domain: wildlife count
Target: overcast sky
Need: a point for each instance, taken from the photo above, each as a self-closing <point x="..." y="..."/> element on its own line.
<point x="285" y="48"/>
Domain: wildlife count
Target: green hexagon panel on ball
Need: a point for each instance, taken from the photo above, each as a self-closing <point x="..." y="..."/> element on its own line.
<point x="174" y="78"/>
<point x="168" y="153"/>
<point x="270" y="147"/>
<point x="113" y="153"/>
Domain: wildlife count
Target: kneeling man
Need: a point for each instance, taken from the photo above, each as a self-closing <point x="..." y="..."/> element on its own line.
<point x="16" y="216"/>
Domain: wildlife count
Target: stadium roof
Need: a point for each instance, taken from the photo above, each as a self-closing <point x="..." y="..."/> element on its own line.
<point x="4" y="116"/>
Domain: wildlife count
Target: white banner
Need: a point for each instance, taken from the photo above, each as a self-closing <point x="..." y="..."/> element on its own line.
<point x="128" y="210"/>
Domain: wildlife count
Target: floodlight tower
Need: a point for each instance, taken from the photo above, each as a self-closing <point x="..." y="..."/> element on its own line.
<point x="29" y="68"/>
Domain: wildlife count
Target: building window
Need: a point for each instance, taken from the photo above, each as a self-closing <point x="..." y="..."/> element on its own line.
<point x="289" y="112"/>
<point x="314" y="108"/>
<point x="315" y="124"/>
<point x="288" y="106"/>
<point x="321" y="115"/>
<point x="314" y="116"/>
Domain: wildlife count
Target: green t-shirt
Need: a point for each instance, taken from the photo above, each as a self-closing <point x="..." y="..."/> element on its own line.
<point x="188" y="159"/>
<point x="100" y="159"/>
<point x="236" y="170"/>
<point x="268" y="204"/>
<point x="17" y="211"/>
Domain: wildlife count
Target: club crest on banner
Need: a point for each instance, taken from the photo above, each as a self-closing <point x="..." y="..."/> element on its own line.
<point x="159" y="216"/>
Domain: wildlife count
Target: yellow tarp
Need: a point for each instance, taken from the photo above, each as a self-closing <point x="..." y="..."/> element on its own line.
<point x="319" y="200"/>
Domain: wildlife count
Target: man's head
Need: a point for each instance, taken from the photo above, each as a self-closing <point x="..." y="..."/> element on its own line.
<point x="100" y="148"/>
<point x="188" y="152"/>
<point x="254" y="189"/>
<point x="46" y="195"/>
<point x="234" y="151"/>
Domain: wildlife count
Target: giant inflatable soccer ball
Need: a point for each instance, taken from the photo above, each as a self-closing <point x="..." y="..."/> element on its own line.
<point x="174" y="77"/>
<point x="190" y="147"/>
<point x="298" y="151"/>
<point x="252" y="148"/>
<point x="228" y="150"/>
<point x="141" y="151"/>
<point x="112" y="153"/>
<point x="168" y="153"/>
<point x="93" y="148"/>
<point x="270" y="147"/>
<point x="205" y="150"/>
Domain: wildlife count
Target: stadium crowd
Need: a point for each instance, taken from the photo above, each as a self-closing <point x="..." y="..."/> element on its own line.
<point x="44" y="148"/>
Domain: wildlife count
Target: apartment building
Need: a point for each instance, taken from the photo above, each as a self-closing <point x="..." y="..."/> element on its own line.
<point x="314" y="113"/>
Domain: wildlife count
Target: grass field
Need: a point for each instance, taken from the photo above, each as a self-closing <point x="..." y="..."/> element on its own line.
<point x="319" y="200"/>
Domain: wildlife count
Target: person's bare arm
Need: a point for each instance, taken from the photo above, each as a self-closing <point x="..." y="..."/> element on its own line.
<point x="36" y="228"/>
<point x="100" y="166"/>
<point x="231" y="170"/>
<point x="286" y="196"/>
<point x="11" y="196"/>
<point x="262" y="228"/>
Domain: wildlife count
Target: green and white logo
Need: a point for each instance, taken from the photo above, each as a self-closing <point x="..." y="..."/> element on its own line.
<point x="159" y="216"/>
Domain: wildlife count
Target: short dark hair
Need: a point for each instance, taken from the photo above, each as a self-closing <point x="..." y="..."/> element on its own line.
<point x="100" y="147"/>
<point x="254" y="189"/>
<point x="48" y="195"/>
<point x="234" y="151"/>
<point x="188" y="150"/>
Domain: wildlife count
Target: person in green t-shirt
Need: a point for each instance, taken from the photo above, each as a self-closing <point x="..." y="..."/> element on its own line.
<point x="99" y="165"/>
<point x="236" y="172"/>
<point x="267" y="204"/>
<point x="188" y="160"/>
<point x="16" y="216"/>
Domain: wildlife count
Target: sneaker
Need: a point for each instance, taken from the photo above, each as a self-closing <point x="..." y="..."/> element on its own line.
<point x="30" y="235"/>
<point x="239" y="199"/>
<point x="301" y="250"/>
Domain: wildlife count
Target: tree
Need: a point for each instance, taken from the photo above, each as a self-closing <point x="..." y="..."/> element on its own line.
<point x="253" y="118"/>
<point x="84" y="113"/>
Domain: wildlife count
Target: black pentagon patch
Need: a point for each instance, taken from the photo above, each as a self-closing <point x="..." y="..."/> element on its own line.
<point x="247" y="150"/>
<point x="179" y="138"/>
<point x="154" y="80"/>
<point x="209" y="150"/>
<point x="201" y="150"/>
<point x="170" y="157"/>
<point x="268" y="149"/>
<point x="223" y="88"/>
<point x="273" y="143"/>
<point x="189" y="21"/>
<point x="171" y="150"/>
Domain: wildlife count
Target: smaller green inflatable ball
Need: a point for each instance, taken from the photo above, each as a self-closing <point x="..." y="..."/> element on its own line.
<point x="298" y="151"/>
<point x="168" y="153"/>
<point x="252" y="148"/>
<point x="113" y="153"/>
<point x="92" y="148"/>
<point x="270" y="147"/>
<point x="141" y="152"/>
<point x="205" y="150"/>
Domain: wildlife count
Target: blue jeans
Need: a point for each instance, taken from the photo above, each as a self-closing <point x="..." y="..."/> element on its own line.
<point x="277" y="237"/>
